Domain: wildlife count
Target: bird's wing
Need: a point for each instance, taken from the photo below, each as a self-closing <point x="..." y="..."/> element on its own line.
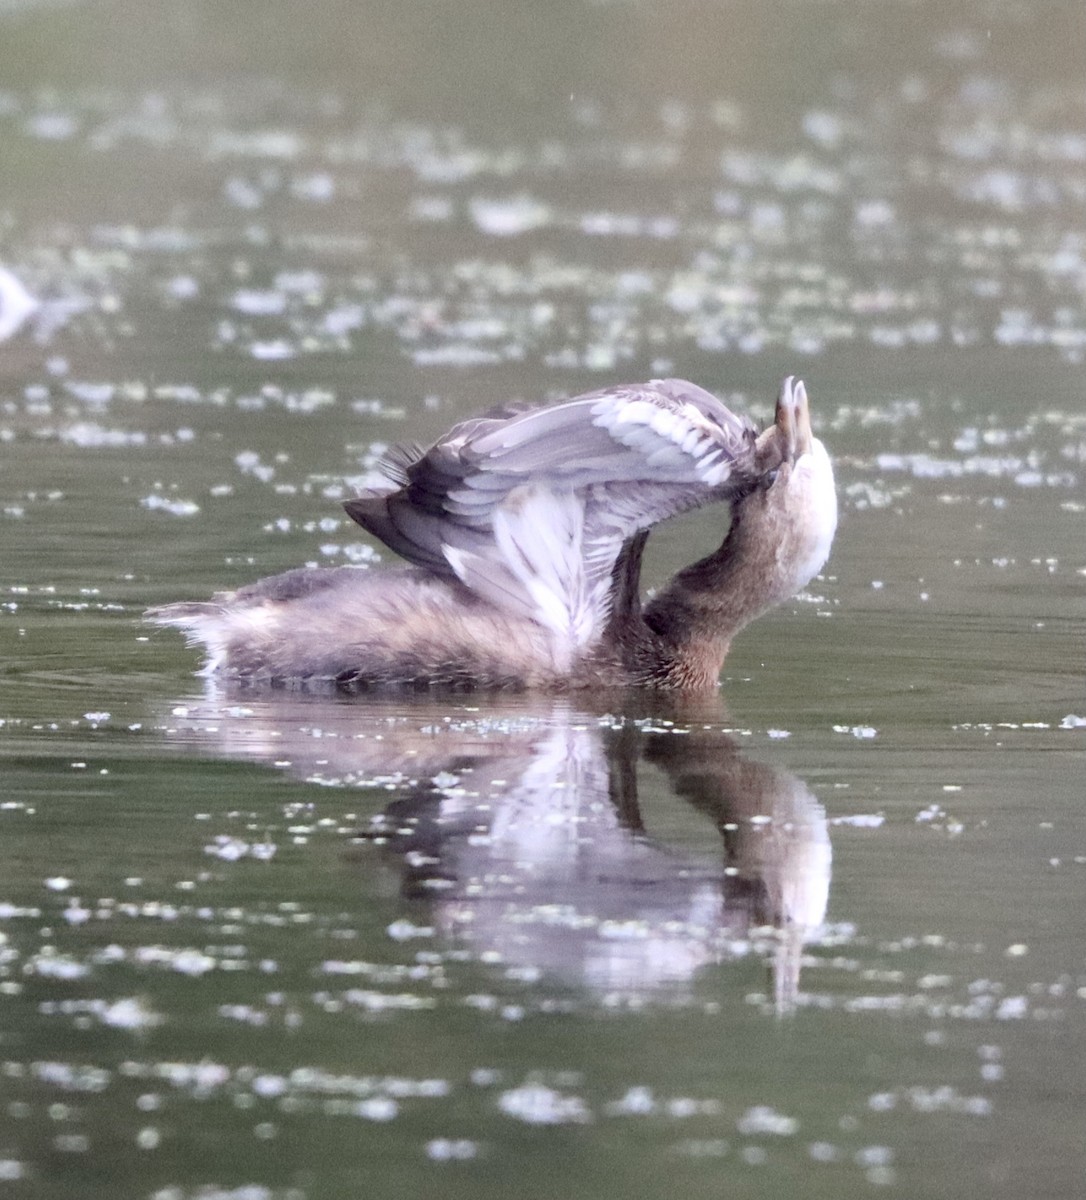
<point x="531" y="508"/>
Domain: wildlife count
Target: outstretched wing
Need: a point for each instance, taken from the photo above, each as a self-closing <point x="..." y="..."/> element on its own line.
<point x="532" y="508"/>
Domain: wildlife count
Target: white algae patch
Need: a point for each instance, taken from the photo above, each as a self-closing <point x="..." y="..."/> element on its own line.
<point x="537" y="1104"/>
<point x="763" y="1119"/>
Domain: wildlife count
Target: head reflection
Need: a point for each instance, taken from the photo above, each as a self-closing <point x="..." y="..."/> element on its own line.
<point x="524" y="830"/>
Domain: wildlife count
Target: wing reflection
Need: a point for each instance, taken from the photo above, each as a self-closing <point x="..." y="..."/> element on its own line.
<point x="523" y="829"/>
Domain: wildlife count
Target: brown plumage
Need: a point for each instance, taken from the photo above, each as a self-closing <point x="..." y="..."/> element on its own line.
<point x="525" y="528"/>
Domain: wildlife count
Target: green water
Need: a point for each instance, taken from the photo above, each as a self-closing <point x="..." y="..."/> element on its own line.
<point x="824" y="935"/>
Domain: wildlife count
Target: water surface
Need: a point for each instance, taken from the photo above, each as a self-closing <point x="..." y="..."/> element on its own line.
<point x="824" y="934"/>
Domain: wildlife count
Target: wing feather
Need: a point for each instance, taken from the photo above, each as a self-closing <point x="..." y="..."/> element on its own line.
<point x="531" y="508"/>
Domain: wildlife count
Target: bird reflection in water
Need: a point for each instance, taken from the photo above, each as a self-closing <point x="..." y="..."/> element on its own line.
<point x="522" y="829"/>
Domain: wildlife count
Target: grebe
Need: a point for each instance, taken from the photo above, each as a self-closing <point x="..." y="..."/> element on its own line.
<point x="525" y="529"/>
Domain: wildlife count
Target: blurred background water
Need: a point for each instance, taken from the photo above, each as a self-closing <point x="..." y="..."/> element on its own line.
<point x="826" y="934"/>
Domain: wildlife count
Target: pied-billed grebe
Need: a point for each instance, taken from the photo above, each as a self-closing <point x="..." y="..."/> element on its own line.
<point x="525" y="528"/>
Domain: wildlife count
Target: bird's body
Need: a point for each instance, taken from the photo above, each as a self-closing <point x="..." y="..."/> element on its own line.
<point x="525" y="529"/>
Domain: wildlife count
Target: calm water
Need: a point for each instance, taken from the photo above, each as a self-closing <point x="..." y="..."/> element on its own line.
<point x="826" y="933"/>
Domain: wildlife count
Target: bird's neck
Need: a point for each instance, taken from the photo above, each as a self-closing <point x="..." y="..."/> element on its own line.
<point x="703" y="607"/>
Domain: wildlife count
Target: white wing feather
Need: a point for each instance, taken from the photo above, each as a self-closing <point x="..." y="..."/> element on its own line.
<point x="530" y="509"/>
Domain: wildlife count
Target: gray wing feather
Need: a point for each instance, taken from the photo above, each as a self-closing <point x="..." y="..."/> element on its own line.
<point x="474" y="505"/>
